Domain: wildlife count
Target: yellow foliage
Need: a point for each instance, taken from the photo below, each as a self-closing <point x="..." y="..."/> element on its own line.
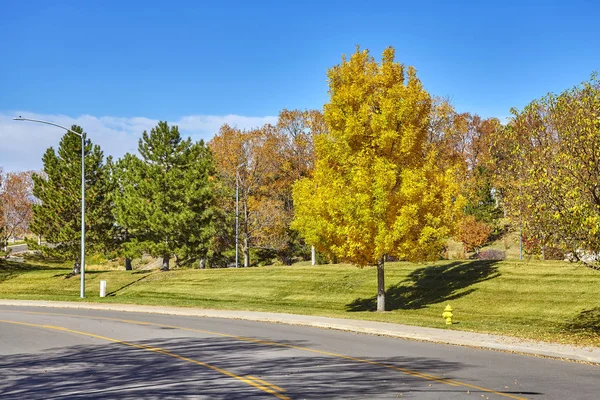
<point x="377" y="187"/>
<point x="549" y="166"/>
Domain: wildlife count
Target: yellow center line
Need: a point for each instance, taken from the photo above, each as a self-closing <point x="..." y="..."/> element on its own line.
<point x="422" y="375"/>
<point x="253" y="378"/>
<point x="161" y="351"/>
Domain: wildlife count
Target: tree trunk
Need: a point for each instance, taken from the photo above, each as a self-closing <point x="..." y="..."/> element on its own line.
<point x="76" y="268"/>
<point x="128" y="266"/>
<point x="543" y="253"/>
<point x="202" y="263"/>
<point x="246" y="253"/>
<point x="313" y="256"/>
<point x="380" y="285"/>
<point x="165" y="263"/>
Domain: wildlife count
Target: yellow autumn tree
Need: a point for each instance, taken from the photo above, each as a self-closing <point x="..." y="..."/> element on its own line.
<point x="377" y="188"/>
<point x="548" y="168"/>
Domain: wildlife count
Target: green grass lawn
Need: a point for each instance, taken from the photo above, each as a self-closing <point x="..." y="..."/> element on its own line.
<point x="552" y="301"/>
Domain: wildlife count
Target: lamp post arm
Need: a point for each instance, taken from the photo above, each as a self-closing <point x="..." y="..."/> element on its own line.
<point x="47" y="123"/>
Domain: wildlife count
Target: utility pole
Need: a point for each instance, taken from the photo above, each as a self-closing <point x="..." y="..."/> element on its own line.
<point x="237" y="212"/>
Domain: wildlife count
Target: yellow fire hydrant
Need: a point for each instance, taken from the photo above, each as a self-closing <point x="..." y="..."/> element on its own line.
<point x="447" y="314"/>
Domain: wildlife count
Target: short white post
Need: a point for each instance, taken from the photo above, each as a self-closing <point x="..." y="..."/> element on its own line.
<point x="102" y="288"/>
<point x="313" y="256"/>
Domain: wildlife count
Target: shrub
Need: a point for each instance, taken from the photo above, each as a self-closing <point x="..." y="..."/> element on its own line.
<point x="491" y="254"/>
<point x="531" y="245"/>
<point x="553" y="253"/>
<point x="473" y="233"/>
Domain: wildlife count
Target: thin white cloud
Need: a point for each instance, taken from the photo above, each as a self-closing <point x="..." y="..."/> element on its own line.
<point x="22" y="144"/>
<point x="212" y="123"/>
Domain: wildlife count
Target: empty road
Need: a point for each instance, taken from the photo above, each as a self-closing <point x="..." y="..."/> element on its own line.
<point x="88" y="354"/>
<point x="17" y="248"/>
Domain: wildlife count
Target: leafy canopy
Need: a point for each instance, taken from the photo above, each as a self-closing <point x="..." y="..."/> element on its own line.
<point x="550" y="164"/>
<point x="377" y="186"/>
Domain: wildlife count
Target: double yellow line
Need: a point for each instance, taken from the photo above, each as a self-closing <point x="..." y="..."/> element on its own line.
<point x="250" y="380"/>
<point x="266" y="387"/>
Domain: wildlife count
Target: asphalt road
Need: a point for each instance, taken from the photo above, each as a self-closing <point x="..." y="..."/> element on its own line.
<point x="76" y="354"/>
<point x="17" y="248"/>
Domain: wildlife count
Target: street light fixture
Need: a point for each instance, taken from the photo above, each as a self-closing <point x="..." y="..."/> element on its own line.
<point x="82" y="266"/>
<point x="237" y="223"/>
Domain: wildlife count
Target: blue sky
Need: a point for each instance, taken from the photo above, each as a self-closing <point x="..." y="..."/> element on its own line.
<point x="121" y="65"/>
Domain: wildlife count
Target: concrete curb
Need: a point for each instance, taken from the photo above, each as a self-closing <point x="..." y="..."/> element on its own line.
<point x="445" y="336"/>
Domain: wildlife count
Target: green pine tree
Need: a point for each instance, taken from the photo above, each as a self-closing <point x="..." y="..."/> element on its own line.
<point x="57" y="217"/>
<point x="166" y="199"/>
<point x="121" y="237"/>
<point x="481" y="202"/>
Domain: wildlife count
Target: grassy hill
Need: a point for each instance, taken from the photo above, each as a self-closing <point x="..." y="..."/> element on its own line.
<point x="553" y="301"/>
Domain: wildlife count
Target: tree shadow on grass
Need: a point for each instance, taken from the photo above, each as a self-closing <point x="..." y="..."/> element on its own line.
<point x="431" y="285"/>
<point x="12" y="269"/>
<point x="587" y="323"/>
<point x="8" y="265"/>
<point x="39" y="257"/>
<point x="142" y="271"/>
<point x="114" y="292"/>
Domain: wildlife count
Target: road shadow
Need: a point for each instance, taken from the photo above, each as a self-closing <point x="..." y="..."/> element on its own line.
<point x="116" y="370"/>
<point x="431" y="285"/>
<point x="587" y="323"/>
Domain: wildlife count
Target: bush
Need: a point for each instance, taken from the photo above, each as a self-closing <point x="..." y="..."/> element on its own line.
<point x="473" y="233"/>
<point x="531" y="245"/>
<point x="553" y="253"/>
<point x="491" y="254"/>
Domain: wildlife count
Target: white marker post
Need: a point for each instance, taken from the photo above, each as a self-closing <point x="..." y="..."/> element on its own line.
<point x="102" y="288"/>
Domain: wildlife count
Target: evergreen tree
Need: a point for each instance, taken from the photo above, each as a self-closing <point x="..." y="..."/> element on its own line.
<point x="166" y="199"/>
<point x="481" y="202"/>
<point x="57" y="216"/>
<point x="121" y="239"/>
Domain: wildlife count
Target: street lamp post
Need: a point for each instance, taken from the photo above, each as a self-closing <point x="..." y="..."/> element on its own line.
<point x="237" y="223"/>
<point x="82" y="265"/>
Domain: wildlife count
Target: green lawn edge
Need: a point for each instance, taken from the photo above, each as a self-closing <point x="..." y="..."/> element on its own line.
<point x="549" y="301"/>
